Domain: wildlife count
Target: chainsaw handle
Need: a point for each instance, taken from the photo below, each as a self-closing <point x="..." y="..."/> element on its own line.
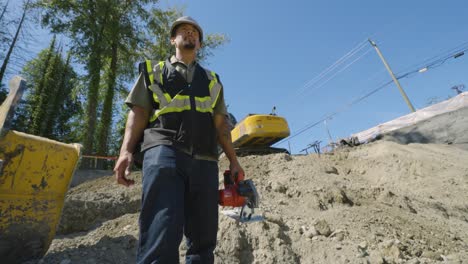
<point x="230" y="179"/>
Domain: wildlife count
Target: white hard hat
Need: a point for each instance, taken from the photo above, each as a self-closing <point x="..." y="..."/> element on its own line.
<point x="186" y="20"/>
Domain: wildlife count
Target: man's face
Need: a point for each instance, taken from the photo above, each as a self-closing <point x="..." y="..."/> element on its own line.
<point x="186" y="37"/>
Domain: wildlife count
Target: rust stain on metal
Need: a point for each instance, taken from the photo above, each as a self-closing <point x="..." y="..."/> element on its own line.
<point x="42" y="185"/>
<point x="8" y="156"/>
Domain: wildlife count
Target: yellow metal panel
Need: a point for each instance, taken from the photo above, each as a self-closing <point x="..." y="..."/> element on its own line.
<point x="34" y="176"/>
<point x="259" y="130"/>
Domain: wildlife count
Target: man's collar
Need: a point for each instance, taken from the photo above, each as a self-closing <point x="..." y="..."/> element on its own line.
<point x="174" y="60"/>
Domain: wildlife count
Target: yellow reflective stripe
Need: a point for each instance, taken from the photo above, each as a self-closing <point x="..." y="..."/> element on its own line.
<point x="167" y="96"/>
<point x="181" y="103"/>
<point x="161" y="66"/>
<point x="178" y="104"/>
<point x="205" y="110"/>
<point x="203" y="106"/>
<point x="214" y="81"/>
<point x="149" y="69"/>
<point x="155" y="97"/>
<point x="154" y="117"/>
<point x="166" y="110"/>
<point x="182" y="97"/>
<point x="203" y="99"/>
<point x="214" y="93"/>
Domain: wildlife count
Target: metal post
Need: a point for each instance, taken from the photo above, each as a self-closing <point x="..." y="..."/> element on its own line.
<point x="328" y="131"/>
<point x="393" y="76"/>
<point x="7" y="108"/>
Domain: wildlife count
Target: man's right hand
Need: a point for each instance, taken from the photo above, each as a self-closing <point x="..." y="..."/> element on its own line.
<point x="123" y="167"/>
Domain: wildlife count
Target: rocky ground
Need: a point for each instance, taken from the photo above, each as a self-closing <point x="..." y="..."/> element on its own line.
<point x="377" y="203"/>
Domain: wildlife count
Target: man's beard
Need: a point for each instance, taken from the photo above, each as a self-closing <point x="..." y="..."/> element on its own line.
<point x="188" y="45"/>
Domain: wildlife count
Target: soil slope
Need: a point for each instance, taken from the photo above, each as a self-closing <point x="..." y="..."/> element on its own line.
<point x="377" y="203"/>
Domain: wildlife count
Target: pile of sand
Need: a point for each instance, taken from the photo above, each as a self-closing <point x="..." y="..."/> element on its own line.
<point x="377" y="203"/>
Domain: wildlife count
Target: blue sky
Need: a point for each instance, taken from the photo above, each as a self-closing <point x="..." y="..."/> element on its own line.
<point x="279" y="48"/>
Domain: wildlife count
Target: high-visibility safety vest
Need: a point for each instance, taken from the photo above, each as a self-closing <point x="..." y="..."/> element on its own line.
<point x="183" y="112"/>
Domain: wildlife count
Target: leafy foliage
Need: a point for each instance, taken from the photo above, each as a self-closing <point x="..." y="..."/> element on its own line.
<point x="109" y="37"/>
<point x="50" y="105"/>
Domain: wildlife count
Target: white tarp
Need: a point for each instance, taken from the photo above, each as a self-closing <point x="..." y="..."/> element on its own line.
<point x="449" y="105"/>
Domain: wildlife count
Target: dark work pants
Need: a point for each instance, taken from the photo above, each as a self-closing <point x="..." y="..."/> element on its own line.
<point x="180" y="196"/>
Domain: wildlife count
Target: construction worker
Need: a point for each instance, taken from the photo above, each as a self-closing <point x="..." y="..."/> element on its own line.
<point x="178" y="108"/>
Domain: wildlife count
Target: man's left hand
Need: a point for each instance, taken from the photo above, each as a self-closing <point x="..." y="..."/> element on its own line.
<point x="237" y="173"/>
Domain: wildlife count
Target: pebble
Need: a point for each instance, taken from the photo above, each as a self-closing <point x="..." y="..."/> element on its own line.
<point x="302" y="230"/>
<point x="413" y="261"/>
<point x="362" y="245"/>
<point x="323" y="228"/>
<point x="331" y="170"/>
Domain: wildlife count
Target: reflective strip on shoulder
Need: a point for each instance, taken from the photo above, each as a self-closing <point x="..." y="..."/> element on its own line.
<point x="215" y="89"/>
<point x="161" y="66"/>
<point x="149" y="69"/>
<point x="159" y="96"/>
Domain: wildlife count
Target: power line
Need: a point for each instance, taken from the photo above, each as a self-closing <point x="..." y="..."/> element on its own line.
<point x="433" y="64"/>
<point x="335" y="65"/>
<point x="438" y="56"/>
<point x="329" y="73"/>
<point x="326" y="117"/>
<point x="341" y="70"/>
<point x="436" y="63"/>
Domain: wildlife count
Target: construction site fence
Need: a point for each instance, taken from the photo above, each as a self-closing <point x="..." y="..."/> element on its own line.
<point x="90" y="162"/>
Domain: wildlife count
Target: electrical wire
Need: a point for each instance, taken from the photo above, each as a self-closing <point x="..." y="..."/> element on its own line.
<point x="433" y="64"/>
<point x="329" y="73"/>
<point x="328" y="116"/>
<point x="335" y="65"/>
<point x="336" y="73"/>
<point x="436" y="57"/>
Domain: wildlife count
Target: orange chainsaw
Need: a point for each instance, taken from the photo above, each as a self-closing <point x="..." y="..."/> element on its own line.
<point x="241" y="194"/>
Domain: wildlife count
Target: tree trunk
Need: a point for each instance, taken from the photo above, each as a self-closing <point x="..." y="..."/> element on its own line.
<point x="13" y="43"/>
<point x="58" y="99"/>
<point x="107" y="111"/>
<point x="94" y="73"/>
<point x="42" y="111"/>
<point x="51" y="51"/>
<point x="4" y="10"/>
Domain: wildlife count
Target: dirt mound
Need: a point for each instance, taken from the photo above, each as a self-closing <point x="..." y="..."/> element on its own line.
<point x="377" y="203"/>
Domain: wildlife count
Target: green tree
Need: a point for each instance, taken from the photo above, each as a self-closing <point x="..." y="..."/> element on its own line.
<point x="124" y="38"/>
<point x="109" y="37"/>
<point x="50" y="104"/>
<point x="88" y="24"/>
<point x="3" y="93"/>
<point x="12" y="45"/>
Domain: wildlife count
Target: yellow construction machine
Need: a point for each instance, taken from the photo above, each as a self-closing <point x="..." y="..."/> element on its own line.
<point x="256" y="133"/>
<point x="35" y="173"/>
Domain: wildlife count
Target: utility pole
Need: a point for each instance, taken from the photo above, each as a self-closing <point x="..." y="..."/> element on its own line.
<point x="330" y="139"/>
<point x="393" y="76"/>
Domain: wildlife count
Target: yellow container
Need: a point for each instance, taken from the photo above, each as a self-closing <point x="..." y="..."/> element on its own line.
<point x="35" y="173"/>
<point x="259" y="130"/>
